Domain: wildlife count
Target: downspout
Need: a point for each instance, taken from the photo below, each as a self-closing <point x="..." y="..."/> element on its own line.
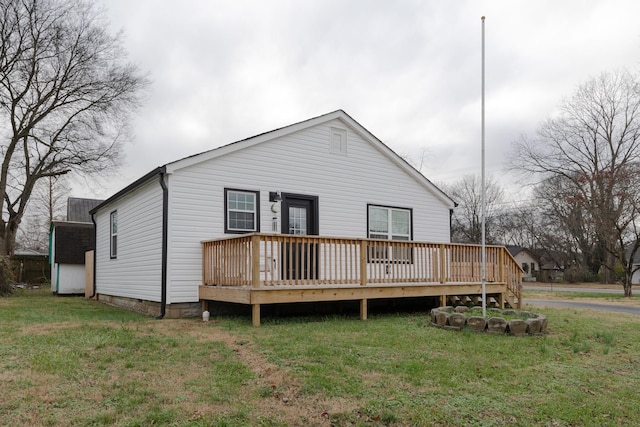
<point x="95" y="250"/>
<point x="165" y="222"/>
<point x="450" y="225"/>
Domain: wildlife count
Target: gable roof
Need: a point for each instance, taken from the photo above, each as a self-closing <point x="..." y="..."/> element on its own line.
<point x="280" y="132"/>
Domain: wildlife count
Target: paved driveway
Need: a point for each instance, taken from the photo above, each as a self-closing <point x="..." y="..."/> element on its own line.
<point x="592" y="306"/>
<point x="570" y="289"/>
<point x="615" y="308"/>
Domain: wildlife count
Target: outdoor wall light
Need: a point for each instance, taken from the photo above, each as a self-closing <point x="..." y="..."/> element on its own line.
<point x="274" y="196"/>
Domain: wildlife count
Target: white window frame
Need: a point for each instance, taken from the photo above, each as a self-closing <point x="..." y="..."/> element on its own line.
<point x="386" y="253"/>
<point x="227" y="209"/>
<point x="113" y="234"/>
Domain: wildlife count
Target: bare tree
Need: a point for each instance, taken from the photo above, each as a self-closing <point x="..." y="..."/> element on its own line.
<point x="66" y="91"/>
<point x="48" y="203"/>
<point x="592" y="148"/>
<point x="568" y="225"/>
<point x="466" y="221"/>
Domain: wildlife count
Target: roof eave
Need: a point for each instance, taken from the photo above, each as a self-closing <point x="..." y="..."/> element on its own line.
<point x="131" y="187"/>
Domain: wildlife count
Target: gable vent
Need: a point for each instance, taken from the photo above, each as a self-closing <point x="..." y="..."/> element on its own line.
<point x="338" y="144"/>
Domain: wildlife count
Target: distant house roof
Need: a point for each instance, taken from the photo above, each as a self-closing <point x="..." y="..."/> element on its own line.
<point x="26" y="252"/>
<point x="72" y="240"/>
<point x="78" y="209"/>
<point x="515" y="250"/>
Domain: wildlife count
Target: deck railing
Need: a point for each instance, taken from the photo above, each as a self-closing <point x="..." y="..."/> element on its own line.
<point x="273" y="260"/>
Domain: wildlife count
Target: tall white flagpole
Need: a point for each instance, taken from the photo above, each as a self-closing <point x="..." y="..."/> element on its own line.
<point x="482" y="211"/>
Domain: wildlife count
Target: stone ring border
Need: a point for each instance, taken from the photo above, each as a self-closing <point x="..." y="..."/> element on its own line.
<point x="455" y="318"/>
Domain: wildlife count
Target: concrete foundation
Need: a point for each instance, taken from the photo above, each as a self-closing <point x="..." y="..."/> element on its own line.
<point x="151" y="308"/>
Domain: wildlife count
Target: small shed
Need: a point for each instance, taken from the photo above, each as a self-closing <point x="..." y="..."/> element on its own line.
<point x="69" y="242"/>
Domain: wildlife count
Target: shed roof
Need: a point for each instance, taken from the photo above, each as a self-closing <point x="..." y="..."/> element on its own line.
<point x="78" y="209"/>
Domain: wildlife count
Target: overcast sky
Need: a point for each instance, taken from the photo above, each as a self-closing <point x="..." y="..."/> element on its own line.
<point x="408" y="71"/>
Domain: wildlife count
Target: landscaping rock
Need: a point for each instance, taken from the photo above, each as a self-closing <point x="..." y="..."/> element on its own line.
<point x="496" y="325"/>
<point x="457" y="320"/>
<point x="543" y="324"/>
<point x="441" y="318"/>
<point x="476" y="323"/>
<point x="518" y="327"/>
<point x="534" y="326"/>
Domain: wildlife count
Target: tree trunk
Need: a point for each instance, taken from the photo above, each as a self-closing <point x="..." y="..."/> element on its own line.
<point x="627" y="288"/>
<point x="6" y="277"/>
<point x="4" y="243"/>
<point x="8" y="238"/>
<point x="7" y="245"/>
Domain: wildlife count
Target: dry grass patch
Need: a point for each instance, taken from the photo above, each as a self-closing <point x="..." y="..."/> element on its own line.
<point x="69" y="361"/>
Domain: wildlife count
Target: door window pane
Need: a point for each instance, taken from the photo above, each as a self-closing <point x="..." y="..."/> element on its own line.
<point x="297" y="220"/>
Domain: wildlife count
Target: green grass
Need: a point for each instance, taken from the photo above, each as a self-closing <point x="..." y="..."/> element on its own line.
<point x="70" y="361"/>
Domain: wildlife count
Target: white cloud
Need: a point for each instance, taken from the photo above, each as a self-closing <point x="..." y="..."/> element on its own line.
<point x="408" y="70"/>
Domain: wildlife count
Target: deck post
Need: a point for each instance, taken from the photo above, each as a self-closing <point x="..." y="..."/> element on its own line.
<point x="500" y="300"/>
<point x="255" y="314"/>
<point x="443" y="300"/>
<point x="501" y="262"/>
<point x="443" y="267"/>
<point x="255" y="263"/>
<point x="363" y="309"/>
<point x="363" y="263"/>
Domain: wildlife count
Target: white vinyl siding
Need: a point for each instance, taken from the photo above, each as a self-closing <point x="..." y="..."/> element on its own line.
<point x="298" y="163"/>
<point x="136" y="272"/>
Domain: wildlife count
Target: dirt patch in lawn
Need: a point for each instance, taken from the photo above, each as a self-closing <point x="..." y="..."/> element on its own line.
<point x="283" y="399"/>
<point x="273" y="393"/>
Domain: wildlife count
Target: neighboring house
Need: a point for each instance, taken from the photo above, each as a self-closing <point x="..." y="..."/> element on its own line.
<point x="526" y="260"/>
<point x="68" y="242"/>
<point x="635" y="276"/>
<point x="324" y="176"/>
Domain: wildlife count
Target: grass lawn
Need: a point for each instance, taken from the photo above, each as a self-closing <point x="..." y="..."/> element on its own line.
<point x="70" y="361"/>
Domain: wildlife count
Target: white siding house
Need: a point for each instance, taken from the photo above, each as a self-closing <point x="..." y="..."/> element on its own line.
<point x="148" y="236"/>
<point x="526" y="260"/>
